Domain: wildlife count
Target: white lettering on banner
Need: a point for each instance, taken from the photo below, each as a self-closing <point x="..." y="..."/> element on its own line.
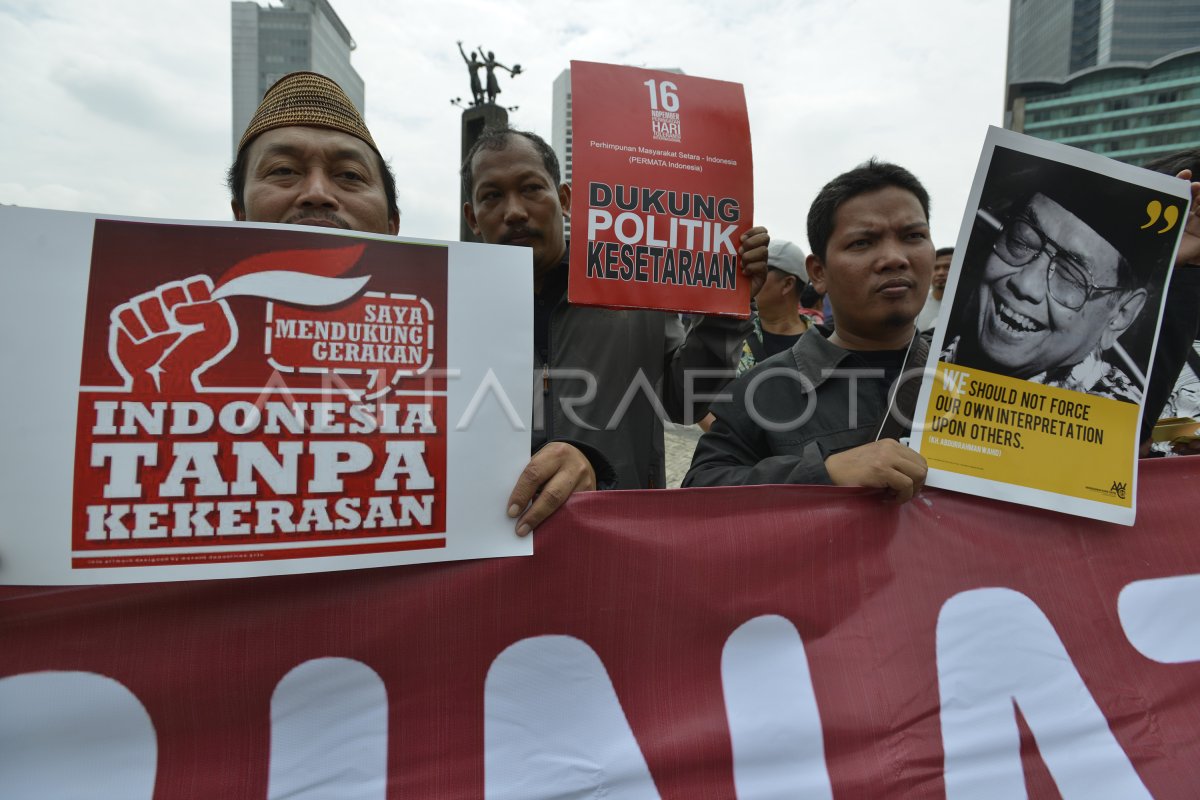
<point x="83" y="735"/>
<point x="200" y="463"/>
<point x="331" y="460"/>
<point x="630" y="228"/>
<point x="194" y="461"/>
<point x="553" y="727"/>
<point x="995" y="648"/>
<point x="263" y="517"/>
<point x="329" y="735"/>
<point x="239" y="417"/>
<point x="68" y="735"/>
<point x="408" y="459"/>
<point x="1161" y="618"/>
<point x="774" y="722"/>
<point x="124" y="459"/>
<point x="280" y="474"/>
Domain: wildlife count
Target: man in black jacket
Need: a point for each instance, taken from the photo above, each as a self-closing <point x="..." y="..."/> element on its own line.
<point x="830" y="409"/>
<point x="606" y="379"/>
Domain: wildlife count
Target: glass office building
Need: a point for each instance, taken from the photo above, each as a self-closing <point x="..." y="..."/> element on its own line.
<point x="1053" y="39"/>
<point x="1130" y="113"/>
<point x="1117" y="77"/>
<point x="269" y="42"/>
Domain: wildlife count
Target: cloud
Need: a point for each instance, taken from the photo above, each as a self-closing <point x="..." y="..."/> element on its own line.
<point x="124" y="106"/>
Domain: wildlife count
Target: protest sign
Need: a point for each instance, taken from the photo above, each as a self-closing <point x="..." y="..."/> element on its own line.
<point x="1038" y="366"/>
<point x="663" y="190"/>
<point x="701" y="644"/>
<point x="217" y="400"/>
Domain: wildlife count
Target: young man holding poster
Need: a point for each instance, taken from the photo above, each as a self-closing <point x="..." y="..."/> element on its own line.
<point x="607" y="378"/>
<point x="830" y="409"/>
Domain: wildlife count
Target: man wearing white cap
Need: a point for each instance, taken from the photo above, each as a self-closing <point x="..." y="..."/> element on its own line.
<point x="777" y="320"/>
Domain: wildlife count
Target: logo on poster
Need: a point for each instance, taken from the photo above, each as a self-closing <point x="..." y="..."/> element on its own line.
<point x="664" y="111"/>
<point x="384" y="336"/>
<point x="317" y="322"/>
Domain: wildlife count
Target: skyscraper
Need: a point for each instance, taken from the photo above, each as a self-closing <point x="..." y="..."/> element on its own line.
<point x="269" y="42"/>
<point x="1052" y="39"/>
<point x="1118" y="77"/>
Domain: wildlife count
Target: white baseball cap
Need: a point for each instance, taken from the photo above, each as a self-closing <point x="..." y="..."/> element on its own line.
<point x="787" y="256"/>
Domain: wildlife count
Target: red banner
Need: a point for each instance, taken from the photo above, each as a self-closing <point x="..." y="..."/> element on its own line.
<point x="750" y="642"/>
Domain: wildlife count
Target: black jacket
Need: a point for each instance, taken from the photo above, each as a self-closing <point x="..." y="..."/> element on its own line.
<point x="639" y="363"/>
<point x="803" y="412"/>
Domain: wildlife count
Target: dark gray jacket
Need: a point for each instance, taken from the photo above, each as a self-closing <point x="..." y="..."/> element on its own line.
<point x="639" y="363"/>
<point x="805" y="413"/>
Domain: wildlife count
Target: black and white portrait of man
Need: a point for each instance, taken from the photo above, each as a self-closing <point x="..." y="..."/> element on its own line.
<point x="1059" y="269"/>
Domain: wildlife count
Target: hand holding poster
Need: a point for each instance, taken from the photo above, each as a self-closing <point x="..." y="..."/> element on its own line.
<point x="252" y="400"/>
<point x="1039" y="362"/>
<point x="663" y="190"/>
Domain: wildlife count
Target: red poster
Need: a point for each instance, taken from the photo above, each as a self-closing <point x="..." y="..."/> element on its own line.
<point x="258" y="395"/>
<point x="699" y="644"/>
<point x="663" y="189"/>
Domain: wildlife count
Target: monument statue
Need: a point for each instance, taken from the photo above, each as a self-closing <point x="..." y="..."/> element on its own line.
<point x="479" y="59"/>
<point x="473" y="66"/>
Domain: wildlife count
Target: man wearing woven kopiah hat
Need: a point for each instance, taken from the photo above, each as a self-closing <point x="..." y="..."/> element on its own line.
<point x="307" y="158"/>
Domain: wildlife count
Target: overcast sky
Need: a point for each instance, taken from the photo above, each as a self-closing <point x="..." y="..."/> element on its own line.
<point x="123" y="106"/>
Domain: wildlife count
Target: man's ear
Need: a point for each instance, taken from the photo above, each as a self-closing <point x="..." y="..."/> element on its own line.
<point x="1124" y="315"/>
<point x="239" y="213"/>
<point x="469" y="215"/>
<point x="564" y="199"/>
<point x="816" y="272"/>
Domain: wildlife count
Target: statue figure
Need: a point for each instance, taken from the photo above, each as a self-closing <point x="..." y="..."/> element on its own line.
<point x="473" y="65"/>
<point x="493" y="85"/>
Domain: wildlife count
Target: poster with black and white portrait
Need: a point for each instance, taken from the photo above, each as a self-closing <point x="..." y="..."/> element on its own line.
<point x="1039" y="361"/>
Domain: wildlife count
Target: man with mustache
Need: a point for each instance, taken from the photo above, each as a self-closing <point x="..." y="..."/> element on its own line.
<point x="307" y="158"/>
<point x="831" y="409"/>
<point x="607" y="378"/>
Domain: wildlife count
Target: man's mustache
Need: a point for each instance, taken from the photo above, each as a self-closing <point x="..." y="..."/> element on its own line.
<point x="300" y="217"/>
<point x="520" y="233"/>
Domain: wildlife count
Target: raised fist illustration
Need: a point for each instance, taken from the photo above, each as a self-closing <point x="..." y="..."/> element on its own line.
<point x="161" y="341"/>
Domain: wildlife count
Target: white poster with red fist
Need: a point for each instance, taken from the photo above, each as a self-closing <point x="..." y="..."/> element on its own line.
<point x="224" y="400"/>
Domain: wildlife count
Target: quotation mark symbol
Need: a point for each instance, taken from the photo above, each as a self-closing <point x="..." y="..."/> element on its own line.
<point x="1155" y="211"/>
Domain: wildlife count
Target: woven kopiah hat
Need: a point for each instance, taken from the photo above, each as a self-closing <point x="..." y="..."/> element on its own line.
<point x="310" y="100"/>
